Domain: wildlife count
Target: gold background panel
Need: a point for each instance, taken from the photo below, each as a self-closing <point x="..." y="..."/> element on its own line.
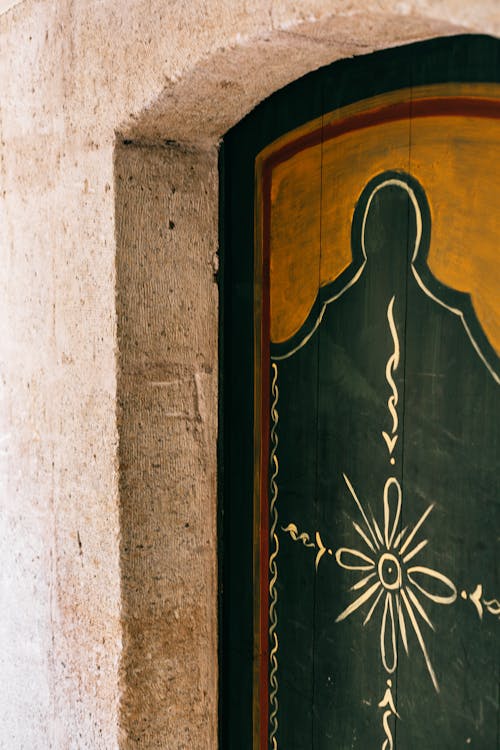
<point x="314" y="194"/>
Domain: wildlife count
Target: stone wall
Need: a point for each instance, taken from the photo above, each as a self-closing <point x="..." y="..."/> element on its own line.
<point x="167" y="396"/>
<point x="110" y="115"/>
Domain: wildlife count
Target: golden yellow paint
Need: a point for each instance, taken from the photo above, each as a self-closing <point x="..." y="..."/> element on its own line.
<point x="295" y="240"/>
<point x="456" y="161"/>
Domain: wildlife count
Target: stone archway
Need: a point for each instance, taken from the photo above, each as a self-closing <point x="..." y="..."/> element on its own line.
<point x="167" y="210"/>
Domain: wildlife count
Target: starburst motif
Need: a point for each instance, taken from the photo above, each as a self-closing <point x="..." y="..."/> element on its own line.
<point x="390" y="580"/>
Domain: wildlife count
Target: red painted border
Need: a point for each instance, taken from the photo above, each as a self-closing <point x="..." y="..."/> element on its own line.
<point x="431" y="107"/>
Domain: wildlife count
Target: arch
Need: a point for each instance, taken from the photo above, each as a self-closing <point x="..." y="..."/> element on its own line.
<point x="201" y="103"/>
<point x="166" y="195"/>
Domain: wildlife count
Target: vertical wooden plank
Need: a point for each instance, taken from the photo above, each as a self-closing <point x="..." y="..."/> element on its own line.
<point x="451" y="462"/>
<point x="356" y="345"/>
<point x="451" y="467"/>
<point x="294" y="458"/>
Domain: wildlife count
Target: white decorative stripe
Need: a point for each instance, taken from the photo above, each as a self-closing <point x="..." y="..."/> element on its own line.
<point x="273" y="568"/>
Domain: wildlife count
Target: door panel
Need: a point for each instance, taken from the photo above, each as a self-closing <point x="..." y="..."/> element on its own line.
<point x="361" y="412"/>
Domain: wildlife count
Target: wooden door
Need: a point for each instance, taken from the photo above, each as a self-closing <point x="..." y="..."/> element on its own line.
<point x="360" y="426"/>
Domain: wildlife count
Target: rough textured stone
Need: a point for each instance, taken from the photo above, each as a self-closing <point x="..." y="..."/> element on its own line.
<point x="167" y="395"/>
<point x="108" y="598"/>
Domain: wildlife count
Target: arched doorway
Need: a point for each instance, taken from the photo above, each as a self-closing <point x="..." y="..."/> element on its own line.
<point x="360" y="397"/>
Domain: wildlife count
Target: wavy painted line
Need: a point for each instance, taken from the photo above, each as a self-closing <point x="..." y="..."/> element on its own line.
<point x="294" y="533"/>
<point x="389" y="742"/>
<point x="273" y="657"/>
<point x="391" y="367"/>
<point x="273" y="567"/>
<point x="388" y="703"/>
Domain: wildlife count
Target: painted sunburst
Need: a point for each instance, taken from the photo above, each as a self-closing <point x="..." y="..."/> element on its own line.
<point x="391" y="578"/>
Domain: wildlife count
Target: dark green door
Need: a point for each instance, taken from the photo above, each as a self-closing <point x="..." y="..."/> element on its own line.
<point x="360" y="424"/>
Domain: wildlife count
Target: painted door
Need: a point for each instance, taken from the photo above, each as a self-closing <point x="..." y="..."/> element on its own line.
<point x="361" y="407"/>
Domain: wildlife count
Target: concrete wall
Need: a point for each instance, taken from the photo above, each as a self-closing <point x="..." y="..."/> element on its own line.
<point x="110" y="114"/>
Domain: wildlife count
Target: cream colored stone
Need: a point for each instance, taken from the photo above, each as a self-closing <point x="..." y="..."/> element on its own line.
<point x="167" y="395"/>
<point x="108" y="409"/>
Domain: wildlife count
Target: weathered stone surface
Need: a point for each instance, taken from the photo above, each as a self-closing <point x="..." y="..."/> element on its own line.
<point x="167" y="396"/>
